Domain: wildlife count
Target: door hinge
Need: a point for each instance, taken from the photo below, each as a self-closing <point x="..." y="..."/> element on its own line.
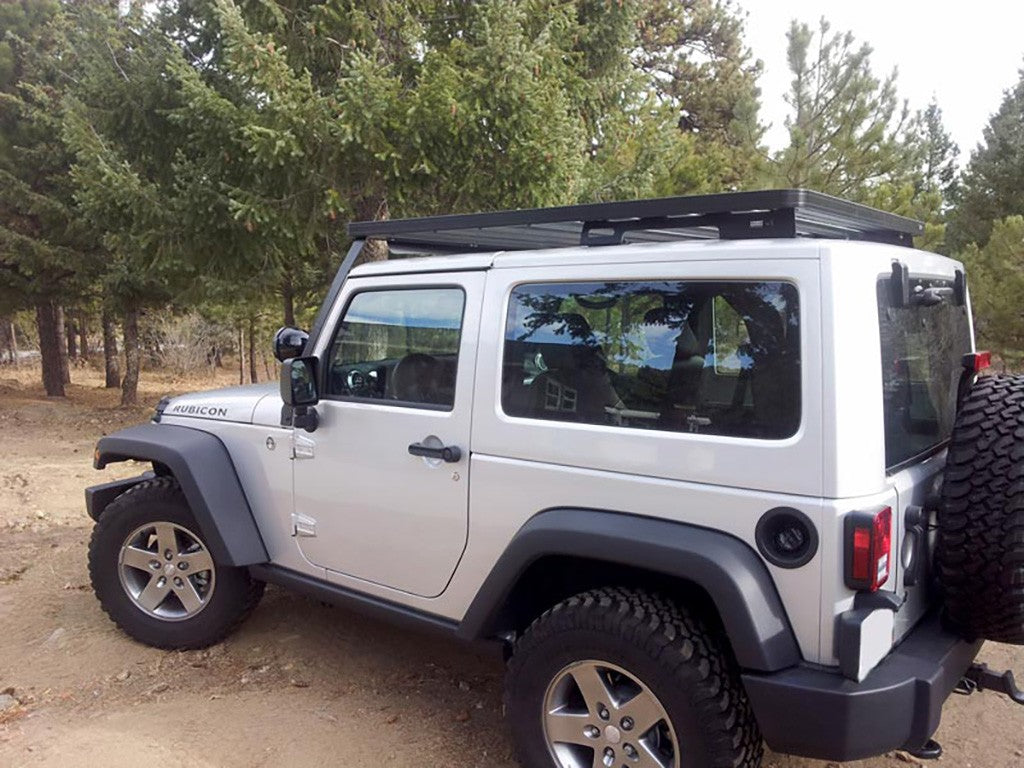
<point x="302" y="525"/>
<point x="302" y="447"/>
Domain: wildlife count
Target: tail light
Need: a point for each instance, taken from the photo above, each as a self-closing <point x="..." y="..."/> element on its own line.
<point x="868" y="549"/>
<point x="976" y="362"/>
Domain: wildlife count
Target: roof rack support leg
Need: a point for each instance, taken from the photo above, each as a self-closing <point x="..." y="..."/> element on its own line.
<point x="746" y="226"/>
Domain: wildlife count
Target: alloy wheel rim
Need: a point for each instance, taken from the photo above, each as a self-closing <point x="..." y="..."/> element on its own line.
<point x="166" y="571"/>
<point x="598" y="715"/>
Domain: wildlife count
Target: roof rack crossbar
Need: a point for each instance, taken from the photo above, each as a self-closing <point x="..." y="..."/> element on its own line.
<point x="776" y="213"/>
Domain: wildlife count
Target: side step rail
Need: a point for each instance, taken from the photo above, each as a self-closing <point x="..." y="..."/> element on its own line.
<point x="980" y="678"/>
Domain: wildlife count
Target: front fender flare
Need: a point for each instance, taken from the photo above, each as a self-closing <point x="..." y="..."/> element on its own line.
<point x="727" y="569"/>
<point x="202" y="466"/>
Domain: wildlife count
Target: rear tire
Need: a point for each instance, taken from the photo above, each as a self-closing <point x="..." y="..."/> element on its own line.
<point x="980" y="549"/>
<point x="155" y="577"/>
<point x="649" y="655"/>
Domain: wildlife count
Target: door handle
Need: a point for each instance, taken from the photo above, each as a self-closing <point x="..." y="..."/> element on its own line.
<point x="449" y="453"/>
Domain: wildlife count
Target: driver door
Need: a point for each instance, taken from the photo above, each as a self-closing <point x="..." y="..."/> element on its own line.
<point x="377" y="498"/>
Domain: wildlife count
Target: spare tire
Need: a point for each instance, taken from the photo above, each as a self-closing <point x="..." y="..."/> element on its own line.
<point x="980" y="547"/>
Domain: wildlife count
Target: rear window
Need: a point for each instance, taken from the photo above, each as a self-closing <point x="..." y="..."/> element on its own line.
<point x="707" y="357"/>
<point x="922" y="349"/>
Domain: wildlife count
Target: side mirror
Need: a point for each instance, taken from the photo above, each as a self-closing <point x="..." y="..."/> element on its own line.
<point x="289" y="343"/>
<point x="298" y="382"/>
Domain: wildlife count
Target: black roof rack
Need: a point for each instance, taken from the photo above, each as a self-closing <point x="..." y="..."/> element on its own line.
<point x="728" y="216"/>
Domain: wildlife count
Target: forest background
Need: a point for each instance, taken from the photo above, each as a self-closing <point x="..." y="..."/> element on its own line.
<point x="176" y="176"/>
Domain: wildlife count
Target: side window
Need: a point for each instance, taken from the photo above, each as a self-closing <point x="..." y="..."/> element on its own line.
<point x="398" y="345"/>
<point x="731" y="344"/>
<point x="710" y="357"/>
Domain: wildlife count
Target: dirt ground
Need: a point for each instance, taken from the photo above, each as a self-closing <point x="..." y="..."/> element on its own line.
<point x="300" y="684"/>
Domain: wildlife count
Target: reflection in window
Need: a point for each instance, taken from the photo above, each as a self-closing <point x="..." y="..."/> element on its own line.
<point x="716" y="358"/>
<point x="922" y="347"/>
<point x="399" y="345"/>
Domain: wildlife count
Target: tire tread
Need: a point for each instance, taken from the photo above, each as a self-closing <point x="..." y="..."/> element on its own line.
<point x="980" y="547"/>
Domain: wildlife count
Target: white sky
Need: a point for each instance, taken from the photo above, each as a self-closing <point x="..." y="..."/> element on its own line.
<point x="965" y="54"/>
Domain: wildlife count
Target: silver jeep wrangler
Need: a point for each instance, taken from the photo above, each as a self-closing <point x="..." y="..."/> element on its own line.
<point x="715" y="471"/>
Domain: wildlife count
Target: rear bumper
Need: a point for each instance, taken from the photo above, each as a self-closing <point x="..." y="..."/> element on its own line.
<point x="821" y="714"/>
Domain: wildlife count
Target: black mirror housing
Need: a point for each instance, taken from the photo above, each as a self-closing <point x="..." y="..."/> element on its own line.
<point x="299" y="382"/>
<point x="289" y="342"/>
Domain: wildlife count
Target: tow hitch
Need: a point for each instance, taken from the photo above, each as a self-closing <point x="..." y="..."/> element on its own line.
<point x="980" y="678"/>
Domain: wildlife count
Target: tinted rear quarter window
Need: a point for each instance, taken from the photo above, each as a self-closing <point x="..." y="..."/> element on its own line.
<point x="922" y="348"/>
<point x="706" y="357"/>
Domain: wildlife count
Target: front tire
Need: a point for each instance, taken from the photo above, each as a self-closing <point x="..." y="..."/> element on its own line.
<point x="620" y="677"/>
<point x="155" y="577"/>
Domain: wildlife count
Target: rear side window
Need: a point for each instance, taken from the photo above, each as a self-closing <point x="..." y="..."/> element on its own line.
<point x="922" y="349"/>
<point x="715" y="358"/>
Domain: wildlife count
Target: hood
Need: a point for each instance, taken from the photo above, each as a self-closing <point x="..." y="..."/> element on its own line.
<point x="231" y="404"/>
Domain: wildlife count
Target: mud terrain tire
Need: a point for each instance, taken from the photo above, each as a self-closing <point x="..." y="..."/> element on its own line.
<point x="160" y="501"/>
<point x="685" y="665"/>
<point x="980" y="549"/>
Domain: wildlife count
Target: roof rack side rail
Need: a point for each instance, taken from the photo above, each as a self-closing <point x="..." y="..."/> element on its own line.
<point x="777" y="213"/>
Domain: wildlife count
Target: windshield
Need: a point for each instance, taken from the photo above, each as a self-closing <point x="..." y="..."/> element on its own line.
<point x="922" y="349"/>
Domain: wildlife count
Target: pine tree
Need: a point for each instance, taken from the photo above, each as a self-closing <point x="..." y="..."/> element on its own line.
<point x="116" y="124"/>
<point x="848" y="130"/>
<point x="49" y="253"/>
<point x="997" y="282"/>
<point x="697" y="61"/>
<point x="992" y="187"/>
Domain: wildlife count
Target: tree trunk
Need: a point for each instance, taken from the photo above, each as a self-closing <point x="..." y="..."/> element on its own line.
<point x="62" y="344"/>
<point x="253" y="374"/>
<point x="83" y="335"/>
<point x="288" y="297"/>
<point x="110" y="362"/>
<point x="6" y="330"/>
<point x="377" y="210"/>
<point x="50" y="347"/>
<point x="13" y="336"/>
<point x="71" y="332"/>
<point x="241" y="355"/>
<point x="132" y="358"/>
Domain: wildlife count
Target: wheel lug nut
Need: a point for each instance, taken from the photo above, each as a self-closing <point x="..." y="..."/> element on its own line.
<point x="627" y="723"/>
<point x="591" y="732"/>
<point x="609" y="757"/>
<point x="155" y="565"/>
<point x="602" y="712"/>
<point x="183" y="566"/>
<point x="177" y="582"/>
<point x="162" y="581"/>
<point x="168" y="555"/>
<point x="630" y="751"/>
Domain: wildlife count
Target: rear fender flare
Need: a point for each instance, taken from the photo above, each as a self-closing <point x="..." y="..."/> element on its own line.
<point x="727" y="569"/>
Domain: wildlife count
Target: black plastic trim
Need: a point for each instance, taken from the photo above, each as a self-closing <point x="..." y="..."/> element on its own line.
<point x="203" y="467"/>
<point x="816" y="713"/>
<point x="332" y="295"/>
<point x="98" y="497"/>
<point x="762" y="533"/>
<point x="732" y="574"/>
<point x="361" y="602"/>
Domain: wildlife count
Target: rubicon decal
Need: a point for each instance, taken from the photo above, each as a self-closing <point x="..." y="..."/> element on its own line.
<point x="199" y="410"/>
